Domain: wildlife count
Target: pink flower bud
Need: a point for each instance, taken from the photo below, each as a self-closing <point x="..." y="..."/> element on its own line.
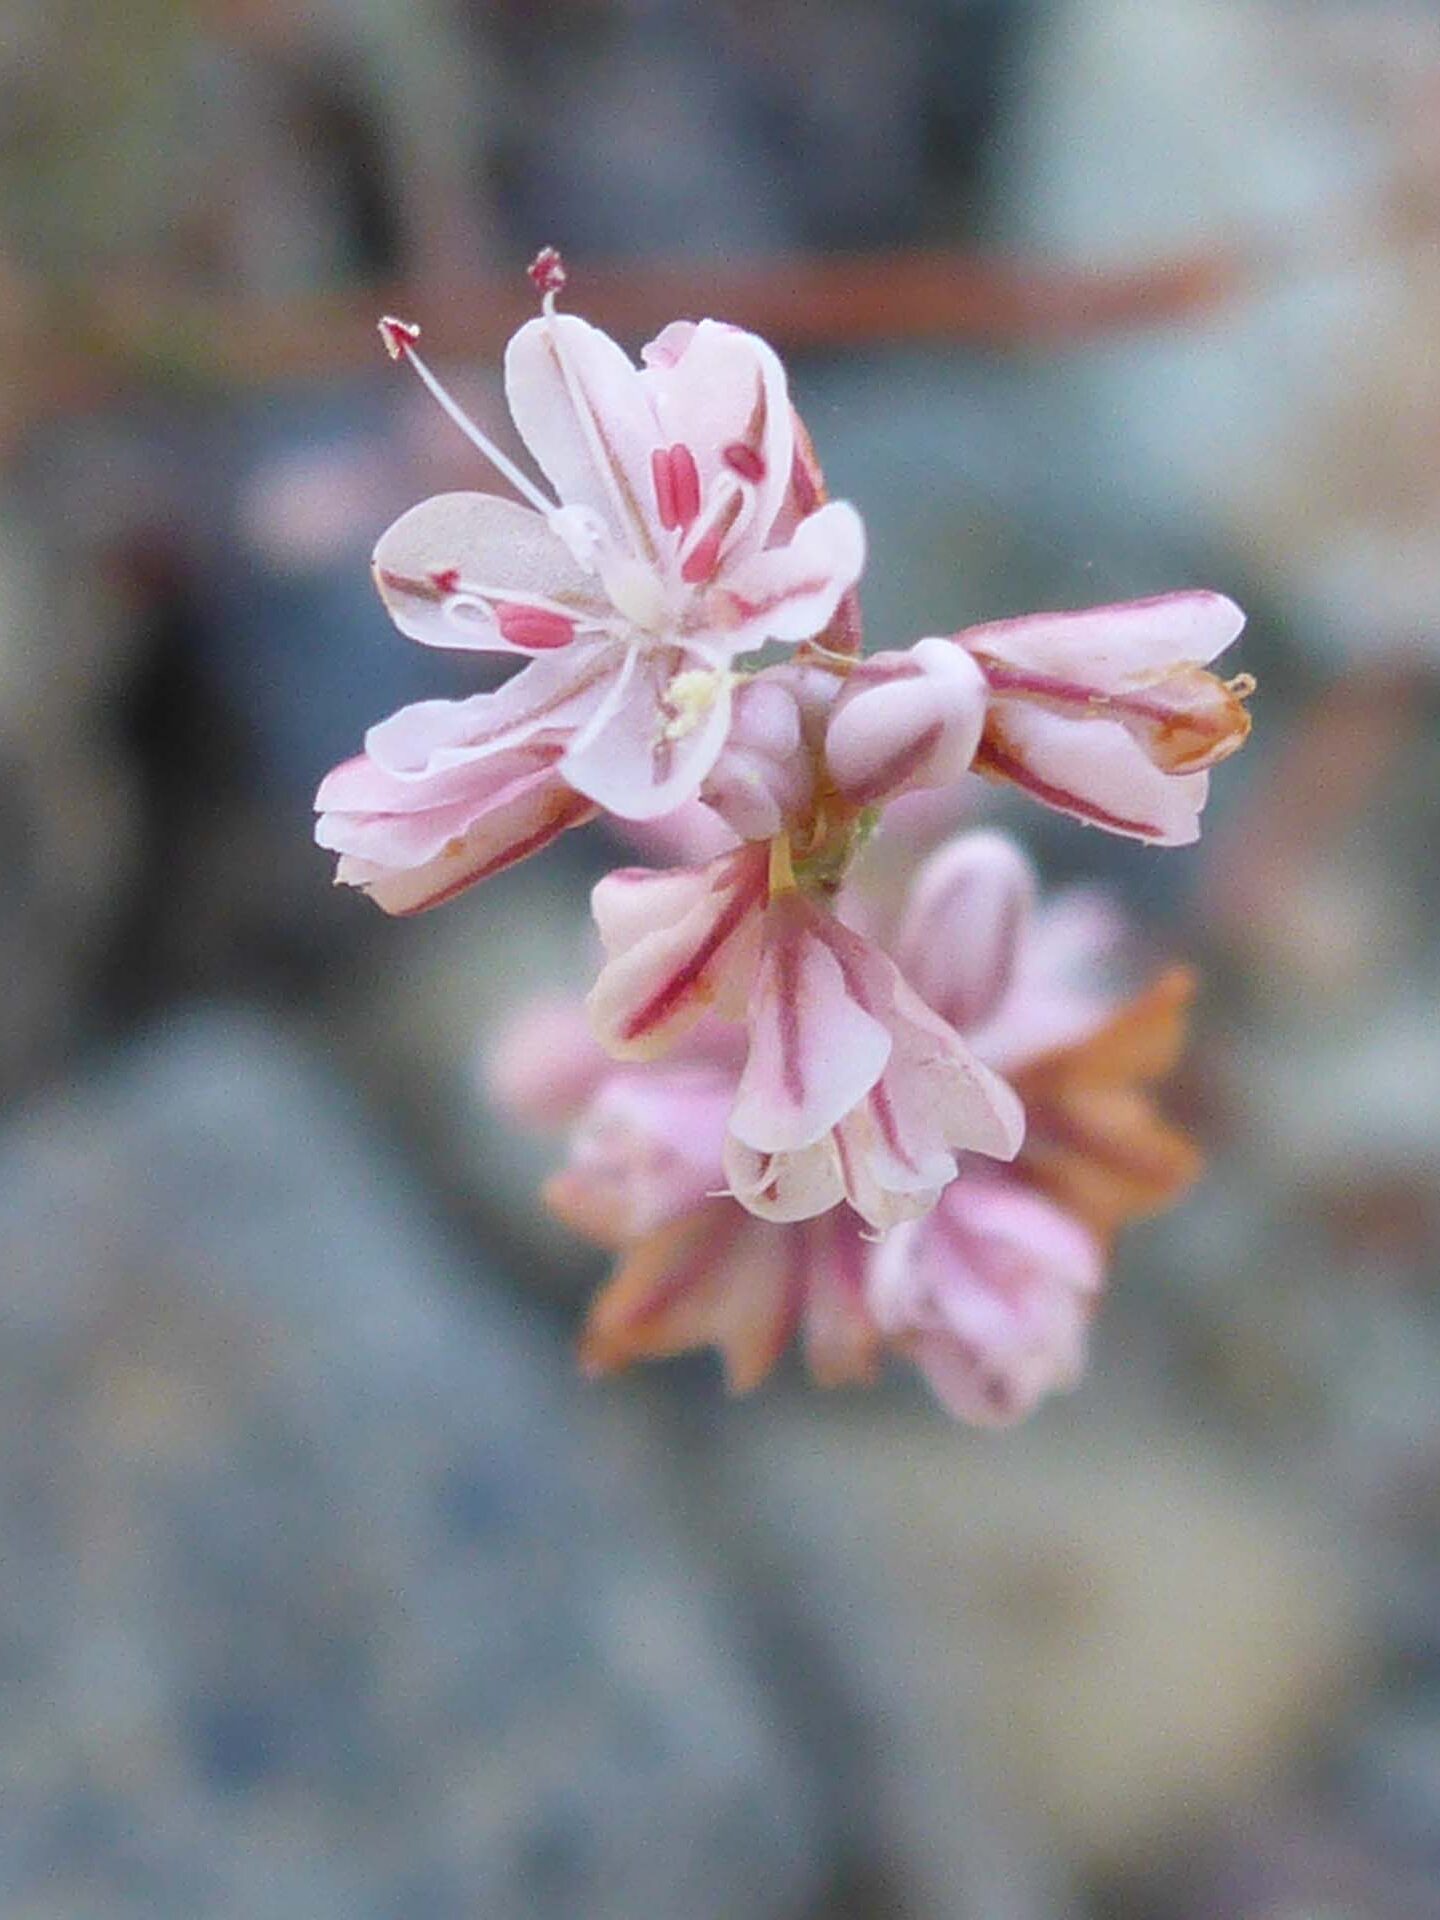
<point x="906" y="720"/>
<point x="963" y="926"/>
<point x="991" y="1295"/>
<point x="764" y="776"/>
<point x="1110" y="714"/>
<point x="647" y="1151"/>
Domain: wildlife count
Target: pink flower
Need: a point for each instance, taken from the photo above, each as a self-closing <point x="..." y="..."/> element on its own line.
<point x="1109" y="714"/>
<point x="662" y="557"/>
<point x="644" y="1175"/>
<point x="678" y="944"/>
<point x="1017" y="979"/>
<point x="852" y="1087"/>
<point x="990" y="1294"/>
<point x="1033" y="990"/>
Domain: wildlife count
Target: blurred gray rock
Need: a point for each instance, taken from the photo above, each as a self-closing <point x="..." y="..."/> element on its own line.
<point x="1095" y="1634"/>
<point x="326" y="1593"/>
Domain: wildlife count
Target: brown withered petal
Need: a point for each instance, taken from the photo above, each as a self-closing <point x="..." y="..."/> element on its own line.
<point x="1097" y="1143"/>
<point x="693" y="1285"/>
<point x="1189" y="721"/>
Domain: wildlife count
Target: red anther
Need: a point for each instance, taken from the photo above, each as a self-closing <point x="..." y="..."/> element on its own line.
<point x="547" y="270"/>
<point x="535" y="629"/>
<point x="677" y="485"/>
<point x="446" y="580"/>
<point x="664" y="487"/>
<point x="702" y="559"/>
<point x="685" y="479"/>
<point x="399" y="335"/>
<point x="745" y="461"/>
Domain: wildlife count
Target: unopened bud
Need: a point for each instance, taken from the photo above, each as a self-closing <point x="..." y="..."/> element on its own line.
<point x="905" y="721"/>
<point x="963" y="924"/>
<point x="763" y="776"/>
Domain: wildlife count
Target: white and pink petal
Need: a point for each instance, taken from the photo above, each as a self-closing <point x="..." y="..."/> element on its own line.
<point x="680" y="945"/>
<point x="647" y="750"/>
<point x="477" y="572"/>
<point x="1094" y="770"/>
<point x="1112" y="647"/>
<point x="789" y="593"/>
<point x="411" y="860"/>
<point x="815" y="1048"/>
<point x="584" y="412"/>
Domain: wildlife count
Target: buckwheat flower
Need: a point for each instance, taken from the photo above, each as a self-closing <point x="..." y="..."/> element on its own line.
<point x="1110" y="714"/>
<point x="644" y="1151"/>
<point x="644" y="1175"/>
<point x="990" y="1292"/>
<point x="853" y="1088"/>
<point x="990" y="1295"/>
<point x="670" y="545"/>
<point x="679" y="944"/>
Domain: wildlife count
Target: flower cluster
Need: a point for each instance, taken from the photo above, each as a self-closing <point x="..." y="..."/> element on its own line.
<point x="792" y="1113"/>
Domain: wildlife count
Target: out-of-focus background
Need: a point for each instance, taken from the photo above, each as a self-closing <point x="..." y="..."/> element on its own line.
<point x="330" y="1592"/>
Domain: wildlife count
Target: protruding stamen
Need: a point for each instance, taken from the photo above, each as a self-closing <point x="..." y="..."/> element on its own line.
<point x="745" y="462"/>
<point x="400" y="337"/>
<point x="547" y="271"/>
<point x="533" y="628"/>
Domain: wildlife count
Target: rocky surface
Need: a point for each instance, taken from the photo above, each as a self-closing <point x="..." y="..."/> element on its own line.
<point x="326" y="1592"/>
<point x="1086" y="1634"/>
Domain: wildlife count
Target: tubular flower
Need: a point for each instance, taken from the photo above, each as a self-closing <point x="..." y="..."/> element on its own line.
<point x="1110" y="714"/>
